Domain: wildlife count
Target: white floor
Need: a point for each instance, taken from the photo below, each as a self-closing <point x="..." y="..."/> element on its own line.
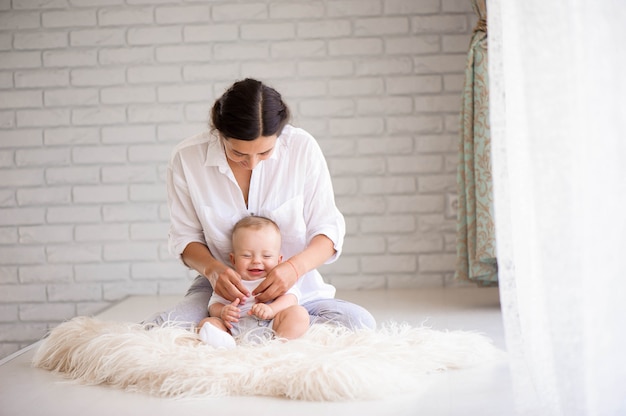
<point x="484" y="390"/>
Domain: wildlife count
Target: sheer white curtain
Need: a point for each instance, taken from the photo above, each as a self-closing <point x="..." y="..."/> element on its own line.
<point x="558" y="120"/>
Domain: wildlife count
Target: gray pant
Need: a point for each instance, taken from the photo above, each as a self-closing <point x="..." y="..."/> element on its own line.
<point x="193" y="308"/>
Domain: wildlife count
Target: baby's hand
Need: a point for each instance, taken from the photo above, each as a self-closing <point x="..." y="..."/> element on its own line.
<point x="262" y="311"/>
<point x="231" y="313"/>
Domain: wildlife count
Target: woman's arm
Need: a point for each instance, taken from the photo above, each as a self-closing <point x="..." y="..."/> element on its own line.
<point x="225" y="281"/>
<point x="286" y="274"/>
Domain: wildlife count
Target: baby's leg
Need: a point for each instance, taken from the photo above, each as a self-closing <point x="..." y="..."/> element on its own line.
<point x="213" y="332"/>
<point x="292" y="322"/>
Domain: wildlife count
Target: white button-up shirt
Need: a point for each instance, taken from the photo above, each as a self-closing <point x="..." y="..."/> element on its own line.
<point x="292" y="187"/>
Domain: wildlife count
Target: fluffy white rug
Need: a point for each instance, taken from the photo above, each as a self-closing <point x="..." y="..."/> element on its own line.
<point x="329" y="363"/>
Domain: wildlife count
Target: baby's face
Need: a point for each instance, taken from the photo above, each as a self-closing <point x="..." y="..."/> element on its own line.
<point x="255" y="252"/>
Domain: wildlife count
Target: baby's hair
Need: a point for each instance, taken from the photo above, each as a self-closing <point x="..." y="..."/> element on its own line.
<point x="255" y="222"/>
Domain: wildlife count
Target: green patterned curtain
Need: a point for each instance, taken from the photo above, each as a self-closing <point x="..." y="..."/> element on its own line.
<point x="476" y="246"/>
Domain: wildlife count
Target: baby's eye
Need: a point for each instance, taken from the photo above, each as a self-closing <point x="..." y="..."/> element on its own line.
<point x="267" y="256"/>
<point x="246" y="256"/>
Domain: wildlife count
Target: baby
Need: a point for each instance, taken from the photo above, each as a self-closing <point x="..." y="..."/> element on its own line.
<point x="256" y="251"/>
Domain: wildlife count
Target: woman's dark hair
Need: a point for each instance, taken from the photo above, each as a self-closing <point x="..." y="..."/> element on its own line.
<point x="249" y="109"/>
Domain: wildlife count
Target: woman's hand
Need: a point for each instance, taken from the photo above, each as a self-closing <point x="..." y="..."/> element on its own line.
<point x="278" y="281"/>
<point x="227" y="283"/>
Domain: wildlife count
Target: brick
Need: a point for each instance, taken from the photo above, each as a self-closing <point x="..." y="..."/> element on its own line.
<point x="74" y="292"/>
<point x="267" y="31"/>
<point x="6" y="80"/>
<point x="381" y="26"/>
<point x="436" y="223"/>
<point x="73" y="214"/>
<point x="134" y="212"/>
<point x="128" y="16"/>
<point x="184" y="14"/>
<point x="327" y="107"/>
<point x="356" y="126"/>
<point x="439" y="24"/>
<point x="437" y="143"/>
<point x="73" y="97"/>
<point x="48" y="273"/>
<point x="102" y="272"/>
<point x="72" y="175"/>
<point x="387" y="185"/>
<point x="384" y="66"/>
<point x="23" y="333"/>
<point x="247" y="11"/>
<point x="120" y="56"/>
<point x="8" y="313"/>
<point x="414" y="281"/>
<point x="455" y="43"/>
<point x="355" y="46"/>
<point x="301" y="88"/>
<point x="97" y="77"/>
<point x="387" y="224"/>
<point x="129" y="174"/>
<point x="440" y="64"/>
<point x="127" y="134"/>
<point x="298" y="48"/>
<point x="148" y="193"/>
<point x="334" y="28"/>
<point x="123" y="95"/>
<point x="234" y="51"/>
<point x="454" y="83"/>
<point x="456" y="6"/>
<point x="7" y="159"/>
<point x="21" y="216"/>
<point x="19" y="20"/>
<point x="184" y="93"/>
<point x="102" y="232"/>
<point x="42" y="157"/>
<point x="117" y="291"/>
<point x="23" y="293"/>
<point x="345" y="265"/>
<point x="70" y="58"/>
<point x="15" y="60"/>
<point x="7" y="119"/>
<point x="43" y="196"/>
<point x="183" y="53"/>
<point x="356" y="87"/>
<point x="154" y="74"/>
<point x="209" y="72"/>
<point x="42" y="78"/>
<point x="413" y="45"/>
<point x="389" y="263"/>
<point x="151" y="271"/>
<point x="268" y="70"/>
<point x="404" y="7"/>
<point x="43" y="118"/>
<point x="359" y="282"/>
<point x="437" y="262"/>
<point x="40" y="40"/>
<point x="328" y="68"/>
<point x="437" y="183"/>
<point x="73" y="253"/>
<point x="91" y="308"/>
<point x="154" y="113"/>
<point x="98" y="115"/>
<point x="438" y="103"/>
<point x="414" y="124"/>
<point x="308" y="10"/>
<point x="210" y="33"/>
<point x="46" y="311"/>
<point x="100" y="194"/>
<point x="384" y="105"/>
<point x="21" y="138"/>
<point x="149" y="153"/>
<point x="415" y="204"/>
<point x="422" y="243"/>
<point x="21" y="99"/>
<point x="364" y="245"/>
<point x="99" y="154"/>
<point x="361" y="205"/>
<point x="154" y="35"/>
<point x="72" y="18"/>
<point x="97" y="37"/>
<point x="354" y="8"/>
<point x="8" y="274"/>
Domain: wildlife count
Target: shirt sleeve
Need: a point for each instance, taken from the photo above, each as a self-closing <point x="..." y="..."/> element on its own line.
<point x="185" y="227"/>
<point x="320" y="210"/>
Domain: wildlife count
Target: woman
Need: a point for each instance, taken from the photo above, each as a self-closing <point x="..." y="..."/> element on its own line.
<point x="253" y="162"/>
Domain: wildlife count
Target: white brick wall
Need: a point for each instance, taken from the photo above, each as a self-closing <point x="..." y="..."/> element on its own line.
<point x="94" y="95"/>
